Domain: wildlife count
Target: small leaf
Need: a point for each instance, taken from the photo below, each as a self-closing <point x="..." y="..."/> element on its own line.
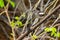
<point x="17" y="18"/>
<point x="1" y="3"/>
<point x="58" y="34"/>
<point x="12" y="3"/>
<point x="34" y="37"/>
<point x="52" y="33"/>
<point x="47" y="29"/>
<point x="53" y="29"/>
<point x="12" y="23"/>
<point x="55" y="35"/>
<point x="19" y="23"/>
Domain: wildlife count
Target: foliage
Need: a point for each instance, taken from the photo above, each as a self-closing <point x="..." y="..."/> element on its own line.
<point x="53" y="31"/>
<point x="58" y="34"/>
<point x="12" y="3"/>
<point x="12" y="23"/>
<point x="16" y="23"/>
<point x="34" y="37"/>
<point x="2" y="3"/>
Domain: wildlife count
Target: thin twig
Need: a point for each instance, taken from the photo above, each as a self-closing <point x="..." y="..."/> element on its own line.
<point x="47" y="4"/>
<point x="2" y="12"/>
<point x="5" y="31"/>
<point x="42" y="20"/>
<point x="30" y="4"/>
<point x="55" y="20"/>
<point x="36" y="5"/>
<point x="39" y="23"/>
<point x="50" y="5"/>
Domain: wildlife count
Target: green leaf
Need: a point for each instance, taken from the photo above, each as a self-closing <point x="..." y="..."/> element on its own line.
<point x="52" y="33"/>
<point x="53" y="29"/>
<point x="34" y="37"/>
<point x="47" y="29"/>
<point x="1" y="3"/>
<point x="58" y="34"/>
<point x="12" y="24"/>
<point x="12" y="3"/>
<point x="17" y="18"/>
<point x="55" y="35"/>
<point x="19" y="23"/>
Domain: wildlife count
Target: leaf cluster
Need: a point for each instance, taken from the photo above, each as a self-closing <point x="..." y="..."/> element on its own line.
<point x="17" y="23"/>
<point x="53" y="31"/>
<point x="2" y="3"/>
<point x="34" y="37"/>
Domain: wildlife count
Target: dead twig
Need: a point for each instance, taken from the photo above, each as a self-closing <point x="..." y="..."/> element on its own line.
<point x="39" y="23"/>
<point x="42" y="20"/>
